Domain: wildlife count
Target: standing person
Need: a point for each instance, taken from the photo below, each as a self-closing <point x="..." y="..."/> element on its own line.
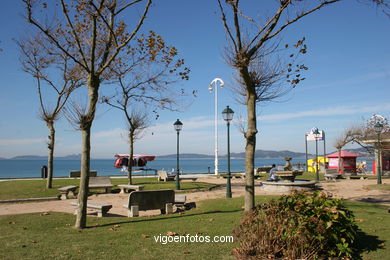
<point x="272" y="176"/>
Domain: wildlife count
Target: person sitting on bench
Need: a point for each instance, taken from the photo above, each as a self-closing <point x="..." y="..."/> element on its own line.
<point x="272" y="176"/>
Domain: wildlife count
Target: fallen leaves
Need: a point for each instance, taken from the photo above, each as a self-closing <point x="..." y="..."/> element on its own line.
<point x="115" y="228"/>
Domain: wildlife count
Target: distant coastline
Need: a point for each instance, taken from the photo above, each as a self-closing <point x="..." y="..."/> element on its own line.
<point x="266" y="154"/>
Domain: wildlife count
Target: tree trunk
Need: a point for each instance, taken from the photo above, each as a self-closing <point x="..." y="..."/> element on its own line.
<point x="250" y="136"/>
<point x="130" y="163"/>
<point x="50" y="157"/>
<point x="81" y="219"/>
<point x="339" y="161"/>
<point x="86" y="124"/>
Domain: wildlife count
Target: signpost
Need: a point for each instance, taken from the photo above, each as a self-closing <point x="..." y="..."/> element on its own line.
<point x="315" y="135"/>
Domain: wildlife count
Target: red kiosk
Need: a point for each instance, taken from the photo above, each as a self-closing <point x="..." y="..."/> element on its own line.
<point x="348" y="161"/>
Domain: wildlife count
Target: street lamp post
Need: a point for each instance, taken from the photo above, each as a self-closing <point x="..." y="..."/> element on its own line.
<point x="307" y="166"/>
<point x="178" y="126"/>
<point x="378" y="127"/>
<point x="221" y="83"/>
<point x="227" y="114"/>
<point x="316" y="135"/>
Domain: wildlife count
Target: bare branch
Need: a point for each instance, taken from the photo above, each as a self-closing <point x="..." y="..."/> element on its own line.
<point x="65" y="12"/>
<point x="48" y="34"/>
<point x="126" y="6"/>
<point x="299" y="17"/>
<point x="107" y="63"/>
<point x="227" y="27"/>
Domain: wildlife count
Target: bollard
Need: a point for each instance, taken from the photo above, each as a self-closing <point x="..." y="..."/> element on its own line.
<point x="44" y="172"/>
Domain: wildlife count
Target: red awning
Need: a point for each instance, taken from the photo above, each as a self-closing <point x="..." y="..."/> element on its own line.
<point x="344" y="154"/>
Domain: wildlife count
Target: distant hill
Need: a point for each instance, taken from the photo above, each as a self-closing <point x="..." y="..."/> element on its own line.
<point x="28" y="157"/>
<point x="259" y="154"/>
<point x="272" y="154"/>
<point x="186" y="156"/>
<point x="38" y="157"/>
<point x="361" y="151"/>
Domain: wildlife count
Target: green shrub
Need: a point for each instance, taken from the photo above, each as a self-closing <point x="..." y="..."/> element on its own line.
<point x="297" y="226"/>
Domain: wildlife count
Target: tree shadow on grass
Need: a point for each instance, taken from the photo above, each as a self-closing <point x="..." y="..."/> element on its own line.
<point x="377" y="199"/>
<point x="151" y="219"/>
<point x="366" y="243"/>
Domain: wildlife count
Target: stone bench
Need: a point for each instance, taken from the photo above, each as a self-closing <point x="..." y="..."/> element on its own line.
<point x="331" y="174"/>
<point x="188" y="178"/>
<point x="67" y="190"/>
<point x="127" y="187"/>
<point x="101" y="209"/>
<point x="164" y="176"/>
<point x="233" y="175"/>
<point x="100" y="182"/>
<point x="77" y="174"/>
<point x="180" y="201"/>
<point x="356" y="177"/>
<point x="264" y="169"/>
<point x="150" y="200"/>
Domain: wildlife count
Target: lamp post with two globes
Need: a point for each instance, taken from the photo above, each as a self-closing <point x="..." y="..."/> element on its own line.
<point x="221" y="83"/>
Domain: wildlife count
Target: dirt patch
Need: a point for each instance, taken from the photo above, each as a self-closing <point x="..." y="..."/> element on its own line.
<point x="347" y="189"/>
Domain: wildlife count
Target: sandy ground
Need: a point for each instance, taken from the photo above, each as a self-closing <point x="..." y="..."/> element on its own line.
<point x="347" y="189"/>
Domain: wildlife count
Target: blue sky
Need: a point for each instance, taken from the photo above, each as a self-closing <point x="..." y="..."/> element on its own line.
<point x="348" y="56"/>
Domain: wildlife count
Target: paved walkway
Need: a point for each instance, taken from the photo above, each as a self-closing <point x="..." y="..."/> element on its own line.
<point x="348" y="189"/>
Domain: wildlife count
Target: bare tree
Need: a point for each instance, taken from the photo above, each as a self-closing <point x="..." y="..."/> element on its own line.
<point x="348" y="136"/>
<point x="383" y="5"/>
<point x="247" y="49"/>
<point x="37" y="60"/>
<point x="97" y="37"/>
<point x="138" y="121"/>
<point x="366" y="131"/>
<point x="148" y="79"/>
<point x="270" y="73"/>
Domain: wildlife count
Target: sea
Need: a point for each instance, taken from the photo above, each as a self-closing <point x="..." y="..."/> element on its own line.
<point x="13" y="168"/>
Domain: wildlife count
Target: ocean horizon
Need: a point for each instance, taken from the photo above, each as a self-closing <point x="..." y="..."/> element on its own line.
<point x="105" y="167"/>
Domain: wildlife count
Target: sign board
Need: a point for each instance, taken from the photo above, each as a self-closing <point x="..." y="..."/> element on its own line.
<point x="312" y="136"/>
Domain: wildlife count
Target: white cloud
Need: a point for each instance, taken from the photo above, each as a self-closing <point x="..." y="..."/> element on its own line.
<point x="329" y="111"/>
<point x="197" y="136"/>
<point x="108" y="133"/>
<point x="23" y="141"/>
<point x="350" y="81"/>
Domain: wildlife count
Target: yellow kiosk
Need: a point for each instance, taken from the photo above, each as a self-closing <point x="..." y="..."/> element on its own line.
<point x="311" y="163"/>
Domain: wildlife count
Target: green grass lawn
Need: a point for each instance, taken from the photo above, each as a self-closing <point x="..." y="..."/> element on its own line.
<point x="52" y="236"/>
<point x="37" y="188"/>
